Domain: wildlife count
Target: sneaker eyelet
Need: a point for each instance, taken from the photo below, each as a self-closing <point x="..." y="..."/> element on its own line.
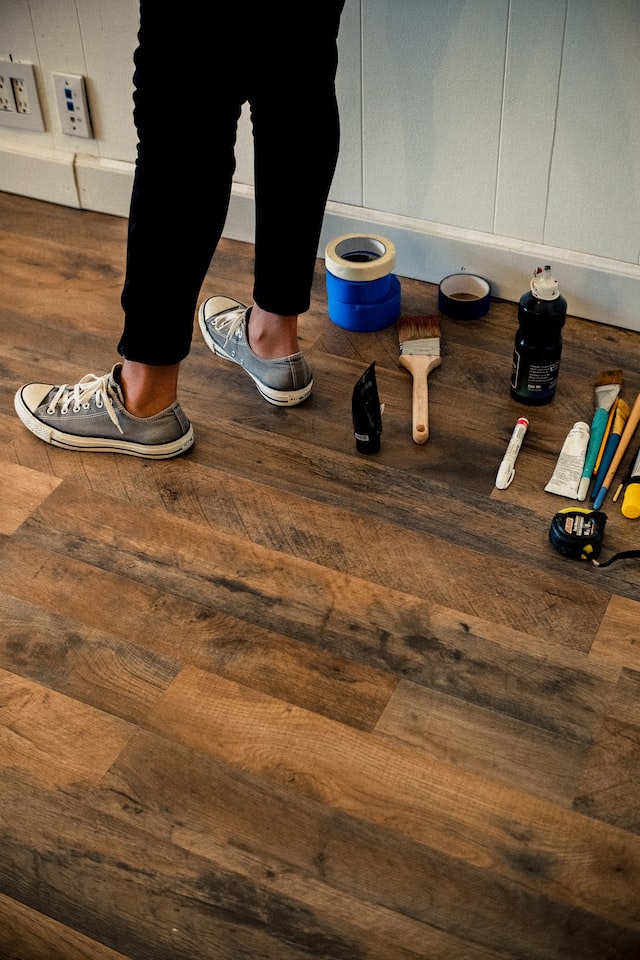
<point x="76" y="408"/>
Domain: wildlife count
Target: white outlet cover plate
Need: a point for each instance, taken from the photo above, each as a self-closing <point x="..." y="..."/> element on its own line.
<point x="73" y="107"/>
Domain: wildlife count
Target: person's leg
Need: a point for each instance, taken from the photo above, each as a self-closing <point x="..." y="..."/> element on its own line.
<point x="290" y="66"/>
<point x="180" y="195"/>
<point x="178" y="207"/>
<point x="295" y="119"/>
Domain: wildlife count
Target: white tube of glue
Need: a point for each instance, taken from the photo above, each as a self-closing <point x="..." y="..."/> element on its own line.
<point x="568" y="470"/>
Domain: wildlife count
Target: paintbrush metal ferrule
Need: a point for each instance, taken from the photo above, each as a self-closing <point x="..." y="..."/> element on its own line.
<point x="424" y="348"/>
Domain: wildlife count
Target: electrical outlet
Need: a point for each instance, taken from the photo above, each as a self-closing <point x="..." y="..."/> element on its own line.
<point x="73" y="108"/>
<point x="19" y="101"/>
<point x="20" y="95"/>
<point x="6" y="95"/>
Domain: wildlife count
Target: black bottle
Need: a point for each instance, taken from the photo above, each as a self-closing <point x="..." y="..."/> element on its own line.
<point x="542" y="312"/>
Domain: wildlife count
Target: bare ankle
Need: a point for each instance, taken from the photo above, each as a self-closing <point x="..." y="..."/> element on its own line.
<point x="272" y="335"/>
<point x="148" y="389"/>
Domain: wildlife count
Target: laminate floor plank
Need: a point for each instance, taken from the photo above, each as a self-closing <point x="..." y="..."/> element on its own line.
<point x="40" y="731"/>
<point x="30" y="935"/>
<point x="618" y="636"/>
<point x="22" y="491"/>
<point x="485" y="743"/>
<point x="87" y="664"/>
<point x="608" y="790"/>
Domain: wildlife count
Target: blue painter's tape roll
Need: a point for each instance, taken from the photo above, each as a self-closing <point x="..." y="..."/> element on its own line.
<point x="464" y="296"/>
<point x="367" y="317"/>
<point x="350" y="291"/>
<point x="363" y="293"/>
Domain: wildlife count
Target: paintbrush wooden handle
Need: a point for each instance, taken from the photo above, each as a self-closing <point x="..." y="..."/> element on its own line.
<point x="419" y="368"/>
<point x="629" y="429"/>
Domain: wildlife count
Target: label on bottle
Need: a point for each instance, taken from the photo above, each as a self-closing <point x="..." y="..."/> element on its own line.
<point x="533" y="379"/>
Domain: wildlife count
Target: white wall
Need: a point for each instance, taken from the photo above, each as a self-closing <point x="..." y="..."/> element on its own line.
<point x="490" y="136"/>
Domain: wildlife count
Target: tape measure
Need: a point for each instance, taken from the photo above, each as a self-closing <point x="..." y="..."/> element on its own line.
<point x="578" y="533"/>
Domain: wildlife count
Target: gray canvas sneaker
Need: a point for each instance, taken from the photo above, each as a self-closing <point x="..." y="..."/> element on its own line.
<point x="90" y="415"/>
<point x="284" y="382"/>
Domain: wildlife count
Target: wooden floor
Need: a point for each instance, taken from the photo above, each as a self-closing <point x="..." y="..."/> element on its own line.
<point x="278" y="700"/>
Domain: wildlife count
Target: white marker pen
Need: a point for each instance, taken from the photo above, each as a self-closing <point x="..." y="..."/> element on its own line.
<point x="507" y="470"/>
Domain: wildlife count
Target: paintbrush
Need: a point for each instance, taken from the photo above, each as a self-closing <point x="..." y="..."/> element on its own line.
<point x="607" y="431"/>
<point x="607" y="388"/>
<point x="631" y="422"/>
<point x="419" y="339"/>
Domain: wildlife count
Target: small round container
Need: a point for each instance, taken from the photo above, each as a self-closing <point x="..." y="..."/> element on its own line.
<point x="464" y="296"/>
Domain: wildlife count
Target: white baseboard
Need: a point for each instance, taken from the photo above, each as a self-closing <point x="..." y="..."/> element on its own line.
<point x="104" y="185"/>
<point x="607" y="291"/>
<point x="43" y="175"/>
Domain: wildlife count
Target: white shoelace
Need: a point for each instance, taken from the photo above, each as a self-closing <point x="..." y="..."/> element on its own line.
<point x="230" y="321"/>
<point x="81" y="393"/>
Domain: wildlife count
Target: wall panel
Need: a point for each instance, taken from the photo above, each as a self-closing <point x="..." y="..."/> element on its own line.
<point x="594" y="191"/>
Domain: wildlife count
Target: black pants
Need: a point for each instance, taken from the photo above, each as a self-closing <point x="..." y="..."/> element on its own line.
<point x="196" y="63"/>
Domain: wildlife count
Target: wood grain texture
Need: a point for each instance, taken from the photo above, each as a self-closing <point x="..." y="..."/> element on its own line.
<point x="277" y="700"/>
<point x="28" y="488"/>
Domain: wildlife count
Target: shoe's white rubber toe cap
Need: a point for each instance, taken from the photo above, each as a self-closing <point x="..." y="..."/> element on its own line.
<point x="33" y="394"/>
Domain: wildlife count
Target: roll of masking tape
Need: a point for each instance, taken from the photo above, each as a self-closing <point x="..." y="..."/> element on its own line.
<point x="357" y="258"/>
<point x="363" y="293"/>
<point x="464" y="296"/>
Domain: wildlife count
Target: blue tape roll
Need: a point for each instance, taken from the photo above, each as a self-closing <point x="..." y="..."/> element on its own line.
<point x="464" y="296"/>
<point x="363" y="316"/>
<point x="357" y="291"/>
